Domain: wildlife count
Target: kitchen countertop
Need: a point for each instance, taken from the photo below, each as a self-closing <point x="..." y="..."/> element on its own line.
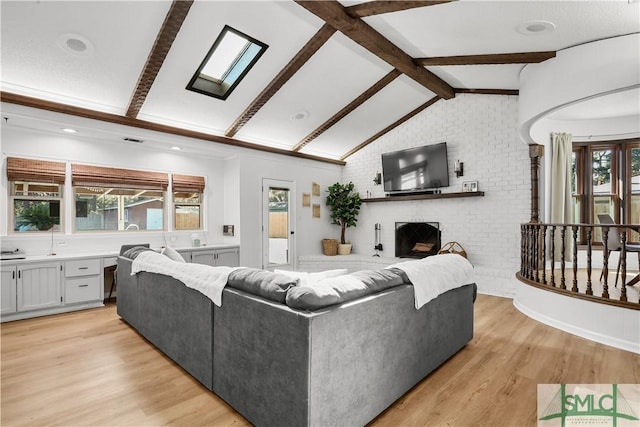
<point x="99" y="254"/>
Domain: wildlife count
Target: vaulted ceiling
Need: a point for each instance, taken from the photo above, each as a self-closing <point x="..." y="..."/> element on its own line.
<point x="335" y="77"/>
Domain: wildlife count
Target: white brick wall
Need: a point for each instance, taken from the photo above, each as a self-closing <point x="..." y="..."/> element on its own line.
<point x="481" y="131"/>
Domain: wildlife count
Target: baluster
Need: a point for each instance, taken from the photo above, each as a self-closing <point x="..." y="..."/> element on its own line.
<point x="589" y="247"/>
<point x="534" y="253"/>
<point x="543" y="229"/>
<point x="574" y="288"/>
<point x="623" y="265"/>
<point x="563" y="232"/>
<point x="605" y="266"/>
<point x="553" y="254"/>
<point x="529" y="249"/>
<point x="525" y="245"/>
<point x="525" y="230"/>
<point x="522" y="247"/>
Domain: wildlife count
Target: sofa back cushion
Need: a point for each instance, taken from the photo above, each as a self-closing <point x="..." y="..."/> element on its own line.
<point x="307" y="279"/>
<point x="337" y="290"/>
<point x="263" y="283"/>
<point x="171" y="253"/>
<point x="133" y="251"/>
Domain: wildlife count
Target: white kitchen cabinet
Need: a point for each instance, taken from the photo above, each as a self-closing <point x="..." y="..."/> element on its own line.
<point x="214" y="257"/>
<point x="204" y="257"/>
<point x="38" y="286"/>
<point x="8" y="283"/>
<point x="83" y="281"/>
<point x="229" y="257"/>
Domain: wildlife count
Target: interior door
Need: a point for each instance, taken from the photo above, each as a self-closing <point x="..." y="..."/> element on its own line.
<point x="278" y="212"/>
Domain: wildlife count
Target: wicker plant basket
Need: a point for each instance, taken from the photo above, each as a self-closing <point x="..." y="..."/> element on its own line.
<point x="453" y="248"/>
<point x="330" y="246"/>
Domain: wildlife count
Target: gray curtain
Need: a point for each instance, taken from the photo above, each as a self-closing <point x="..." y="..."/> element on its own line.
<point x="561" y="200"/>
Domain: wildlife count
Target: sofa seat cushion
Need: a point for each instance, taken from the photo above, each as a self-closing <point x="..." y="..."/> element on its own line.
<point x="263" y="283"/>
<point x="337" y="290"/>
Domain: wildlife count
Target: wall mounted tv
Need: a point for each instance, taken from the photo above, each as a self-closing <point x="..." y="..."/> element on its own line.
<point x="416" y="170"/>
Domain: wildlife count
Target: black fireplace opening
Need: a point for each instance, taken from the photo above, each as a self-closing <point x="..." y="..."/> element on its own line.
<point x="417" y="239"/>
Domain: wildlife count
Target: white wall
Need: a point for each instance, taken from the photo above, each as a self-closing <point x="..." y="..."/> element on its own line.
<point x="607" y="67"/>
<point x="232" y="194"/>
<point x="480" y="131"/>
<point x="309" y="231"/>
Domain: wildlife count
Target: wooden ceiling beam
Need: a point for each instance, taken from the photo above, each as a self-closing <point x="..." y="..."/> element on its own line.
<point x="489" y="91"/>
<point x="367" y="94"/>
<point x="56" y="107"/>
<point x="334" y="14"/>
<point x="489" y="59"/>
<point x="165" y="38"/>
<point x="307" y="51"/>
<point x="379" y="7"/>
<point x="391" y="126"/>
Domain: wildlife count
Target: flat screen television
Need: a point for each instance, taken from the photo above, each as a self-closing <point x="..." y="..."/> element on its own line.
<point x="416" y="170"/>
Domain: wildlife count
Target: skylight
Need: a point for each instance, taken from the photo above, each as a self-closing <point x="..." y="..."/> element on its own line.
<point x="229" y="60"/>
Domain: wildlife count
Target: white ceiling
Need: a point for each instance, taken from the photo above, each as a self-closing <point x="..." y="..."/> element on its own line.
<point x="121" y="34"/>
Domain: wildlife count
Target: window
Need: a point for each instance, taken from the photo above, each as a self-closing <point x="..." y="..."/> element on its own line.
<point x="606" y="180"/>
<point x="632" y="207"/>
<point x="35" y="194"/>
<point x="187" y="201"/>
<point x="36" y="206"/>
<point x="118" y="209"/>
<point x="110" y="199"/>
<point x="228" y="61"/>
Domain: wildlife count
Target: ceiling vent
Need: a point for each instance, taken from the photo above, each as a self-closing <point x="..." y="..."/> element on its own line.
<point x="137" y="141"/>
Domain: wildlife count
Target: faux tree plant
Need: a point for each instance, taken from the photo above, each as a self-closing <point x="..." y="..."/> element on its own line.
<point x="345" y="206"/>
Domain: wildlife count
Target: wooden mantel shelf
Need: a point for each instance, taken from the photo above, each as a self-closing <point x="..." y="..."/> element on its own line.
<point x="423" y="197"/>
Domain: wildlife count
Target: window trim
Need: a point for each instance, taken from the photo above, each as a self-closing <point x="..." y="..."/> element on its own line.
<point x="620" y="163"/>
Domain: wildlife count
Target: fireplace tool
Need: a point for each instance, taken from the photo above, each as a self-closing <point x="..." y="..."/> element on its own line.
<point x="378" y="246"/>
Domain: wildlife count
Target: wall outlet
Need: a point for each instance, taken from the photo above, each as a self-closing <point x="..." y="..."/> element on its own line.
<point x="62" y="243"/>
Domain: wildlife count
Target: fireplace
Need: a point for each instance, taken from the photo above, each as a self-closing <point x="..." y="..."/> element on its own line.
<point x="417" y="239"/>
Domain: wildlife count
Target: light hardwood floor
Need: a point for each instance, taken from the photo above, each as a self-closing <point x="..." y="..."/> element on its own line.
<point x="90" y="368"/>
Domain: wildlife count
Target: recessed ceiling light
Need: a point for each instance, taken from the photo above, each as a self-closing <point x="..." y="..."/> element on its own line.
<point x="69" y="130"/>
<point x="536" y="27"/>
<point x="176" y="148"/>
<point x="300" y="115"/>
<point x="75" y="44"/>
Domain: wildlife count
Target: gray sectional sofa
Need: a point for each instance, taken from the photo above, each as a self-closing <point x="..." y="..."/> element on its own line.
<point x="339" y="365"/>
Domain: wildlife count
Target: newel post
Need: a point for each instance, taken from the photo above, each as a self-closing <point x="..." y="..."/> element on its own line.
<point x="535" y="152"/>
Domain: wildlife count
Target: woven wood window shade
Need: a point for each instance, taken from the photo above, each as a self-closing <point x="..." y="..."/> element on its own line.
<point x="31" y="170"/>
<point x="187" y="183"/>
<point x="98" y="176"/>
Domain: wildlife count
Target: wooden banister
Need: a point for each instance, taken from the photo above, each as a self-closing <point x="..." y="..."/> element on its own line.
<point x="538" y="246"/>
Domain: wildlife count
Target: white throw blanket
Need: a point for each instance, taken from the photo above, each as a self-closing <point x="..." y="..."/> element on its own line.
<point x="208" y="280"/>
<point x="435" y="275"/>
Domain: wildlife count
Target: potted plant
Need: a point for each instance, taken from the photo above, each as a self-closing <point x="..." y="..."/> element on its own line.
<point x="345" y="205"/>
<point x="37" y="216"/>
